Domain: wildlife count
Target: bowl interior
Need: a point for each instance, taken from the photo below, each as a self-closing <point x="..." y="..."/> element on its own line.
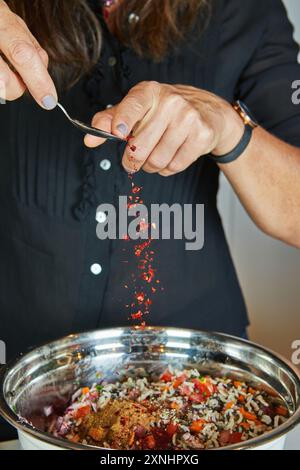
<point x="38" y="387"/>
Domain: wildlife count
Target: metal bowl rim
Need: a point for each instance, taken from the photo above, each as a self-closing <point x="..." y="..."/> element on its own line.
<point x="7" y="413"/>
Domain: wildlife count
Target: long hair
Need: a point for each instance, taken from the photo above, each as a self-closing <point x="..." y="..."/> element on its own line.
<point x="70" y="31"/>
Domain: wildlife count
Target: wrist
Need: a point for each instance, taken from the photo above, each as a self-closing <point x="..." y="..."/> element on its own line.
<point x="231" y="131"/>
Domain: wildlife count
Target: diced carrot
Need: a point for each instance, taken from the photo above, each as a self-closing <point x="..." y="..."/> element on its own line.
<point x="281" y="410"/>
<point x="241" y="398"/>
<point x="82" y="412"/>
<point x="97" y="434"/>
<point x="248" y="415"/>
<point x="251" y="390"/>
<point x="75" y="438"/>
<point x="197" y="426"/>
<point x="85" y="390"/>
<point x="131" y="439"/>
<point x="229" y="405"/>
<point x="245" y="425"/>
<point x="237" y="384"/>
<point x="174" y="405"/>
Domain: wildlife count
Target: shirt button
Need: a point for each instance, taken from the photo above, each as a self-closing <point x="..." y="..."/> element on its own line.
<point x="105" y="165"/>
<point x="112" y="61"/>
<point x="101" y="217"/>
<point x="96" y="269"/>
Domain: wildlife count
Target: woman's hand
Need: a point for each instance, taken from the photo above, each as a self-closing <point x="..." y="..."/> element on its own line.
<point x="23" y="62"/>
<point x="172" y="126"/>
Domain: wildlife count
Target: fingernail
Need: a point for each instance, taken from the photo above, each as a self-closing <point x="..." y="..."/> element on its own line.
<point x="49" y="102"/>
<point x="123" y="129"/>
<point x="129" y="171"/>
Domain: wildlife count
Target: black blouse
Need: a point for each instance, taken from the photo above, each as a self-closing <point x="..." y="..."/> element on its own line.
<point x="51" y="185"/>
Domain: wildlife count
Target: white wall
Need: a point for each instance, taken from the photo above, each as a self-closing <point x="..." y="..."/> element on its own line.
<point x="269" y="271"/>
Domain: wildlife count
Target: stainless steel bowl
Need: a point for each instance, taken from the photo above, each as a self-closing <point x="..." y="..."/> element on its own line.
<point x="44" y="380"/>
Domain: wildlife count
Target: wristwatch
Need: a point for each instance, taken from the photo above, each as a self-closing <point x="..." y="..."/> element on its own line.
<point x="250" y="125"/>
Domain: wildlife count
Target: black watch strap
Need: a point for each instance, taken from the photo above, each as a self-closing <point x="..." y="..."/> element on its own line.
<point x="238" y="150"/>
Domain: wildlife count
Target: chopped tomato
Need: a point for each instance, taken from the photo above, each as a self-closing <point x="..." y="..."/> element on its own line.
<point x="82" y="412"/>
<point x="227" y="437"/>
<point x="197" y="426"/>
<point x="236" y="437"/>
<point x="166" y="376"/>
<point x="172" y="429"/>
<point x="149" y="442"/>
<point x="85" y="390"/>
<point x="196" y="398"/>
<point x="75" y="438"/>
<point x="179" y="381"/>
<point x="204" y="386"/>
<point x="224" y="437"/>
<point x="185" y="390"/>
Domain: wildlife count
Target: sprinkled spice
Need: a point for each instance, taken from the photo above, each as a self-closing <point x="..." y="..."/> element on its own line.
<point x="142" y="280"/>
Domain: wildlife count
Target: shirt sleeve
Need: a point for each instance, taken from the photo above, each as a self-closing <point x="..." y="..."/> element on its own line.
<point x="266" y="82"/>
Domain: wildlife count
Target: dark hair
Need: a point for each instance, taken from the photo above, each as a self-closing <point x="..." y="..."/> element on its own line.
<point x="70" y="31"/>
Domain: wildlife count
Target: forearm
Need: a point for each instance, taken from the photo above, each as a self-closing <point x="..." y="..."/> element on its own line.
<point x="266" y="179"/>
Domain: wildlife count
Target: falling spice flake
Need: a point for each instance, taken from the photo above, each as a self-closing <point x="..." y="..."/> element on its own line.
<point x="142" y="281"/>
<point x="137" y="316"/>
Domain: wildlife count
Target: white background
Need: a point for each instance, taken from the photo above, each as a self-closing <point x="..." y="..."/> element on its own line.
<point x="269" y="271"/>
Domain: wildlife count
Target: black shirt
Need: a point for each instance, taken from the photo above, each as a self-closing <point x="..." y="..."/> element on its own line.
<point x="51" y="185"/>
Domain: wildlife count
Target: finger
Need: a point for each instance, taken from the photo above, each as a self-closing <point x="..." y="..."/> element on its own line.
<point x="11" y="85"/>
<point x="136" y="109"/>
<point x="43" y="54"/>
<point x="186" y="155"/>
<point x="145" y="142"/>
<point x="101" y="121"/>
<point x="164" y="152"/>
<point x="18" y="48"/>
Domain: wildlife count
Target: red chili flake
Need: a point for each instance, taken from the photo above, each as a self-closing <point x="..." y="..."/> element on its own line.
<point x="133" y="148"/>
<point x="140" y="297"/>
<point x="149" y="275"/>
<point x="137" y="316"/>
<point x="136" y="189"/>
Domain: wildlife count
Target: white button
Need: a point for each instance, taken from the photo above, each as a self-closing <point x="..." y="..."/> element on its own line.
<point x="101" y="217"/>
<point x="112" y="61"/>
<point x="109" y="106"/>
<point x="105" y="165"/>
<point x="96" y="269"/>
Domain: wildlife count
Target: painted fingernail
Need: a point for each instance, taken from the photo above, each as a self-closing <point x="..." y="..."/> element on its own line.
<point x="49" y="102"/>
<point x="123" y="129"/>
<point x="130" y="171"/>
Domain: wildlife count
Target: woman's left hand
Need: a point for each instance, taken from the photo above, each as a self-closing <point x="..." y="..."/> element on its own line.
<point x="172" y="126"/>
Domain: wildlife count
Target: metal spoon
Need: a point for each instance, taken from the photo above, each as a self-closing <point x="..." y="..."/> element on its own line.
<point x="89" y="129"/>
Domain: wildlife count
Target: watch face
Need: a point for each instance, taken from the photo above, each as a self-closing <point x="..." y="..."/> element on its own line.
<point x="248" y="116"/>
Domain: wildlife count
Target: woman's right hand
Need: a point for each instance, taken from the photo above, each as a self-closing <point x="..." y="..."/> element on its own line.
<point x="24" y="63"/>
